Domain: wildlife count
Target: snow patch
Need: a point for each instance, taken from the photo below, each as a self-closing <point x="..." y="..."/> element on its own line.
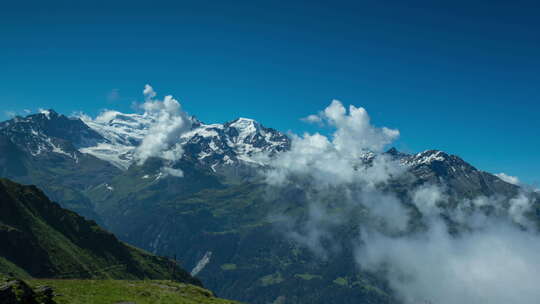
<point x="202" y="263"/>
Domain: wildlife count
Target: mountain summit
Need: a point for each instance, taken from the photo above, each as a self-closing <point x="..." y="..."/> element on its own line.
<point x="213" y="145"/>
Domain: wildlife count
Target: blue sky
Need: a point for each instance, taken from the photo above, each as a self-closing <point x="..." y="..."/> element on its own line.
<point x="461" y="76"/>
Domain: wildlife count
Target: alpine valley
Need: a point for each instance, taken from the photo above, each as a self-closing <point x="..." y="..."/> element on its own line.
<point x="214" y="207"/>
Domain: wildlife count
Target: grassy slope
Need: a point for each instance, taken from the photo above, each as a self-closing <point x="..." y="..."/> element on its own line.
<point x="140" y="292"/>
<point x="44" y="240"/>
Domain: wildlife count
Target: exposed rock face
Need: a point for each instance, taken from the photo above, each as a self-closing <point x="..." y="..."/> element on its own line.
<point x="15" y="291"/>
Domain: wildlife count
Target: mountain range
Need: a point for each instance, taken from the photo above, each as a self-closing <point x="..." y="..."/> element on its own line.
<point x="218" y="214"/>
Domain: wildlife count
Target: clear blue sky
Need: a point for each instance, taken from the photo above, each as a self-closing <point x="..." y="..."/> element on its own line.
<point x="461" y="76"/>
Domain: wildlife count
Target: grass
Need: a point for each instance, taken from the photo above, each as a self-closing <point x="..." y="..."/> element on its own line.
<point x="271" y="279"/>
<point x="8" y="267"/>
<point x="115" y="291"/>
<point x="307" y="276"/>
<point x="342" y="281"/>
<point x="228" y="267"/>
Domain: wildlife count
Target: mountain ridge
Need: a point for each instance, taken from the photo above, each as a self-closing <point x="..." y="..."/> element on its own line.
<point x="213" y="145"/>
<point x="222" y="207"/>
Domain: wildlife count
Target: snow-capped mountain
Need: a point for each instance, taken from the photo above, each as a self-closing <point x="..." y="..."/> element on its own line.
<point x="76" y="161"/>
<point x="213" y="145"/>
<point x="114" y="137"/>
<point x="435" y="165"/>
<point x="50" y="132"/>
<point x="121" y="134"/>
<point x="237" y="141"/>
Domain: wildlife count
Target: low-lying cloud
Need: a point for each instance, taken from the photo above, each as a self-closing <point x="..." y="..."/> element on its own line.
<point x="496" y="264"/>
<point x="431" y="247"/>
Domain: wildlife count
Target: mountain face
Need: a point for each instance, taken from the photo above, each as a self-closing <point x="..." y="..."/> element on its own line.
<point x="50" y="132"/>
<point x="114" y="138"/>
<point x="41" y="239"/>
<point x="216" y="146"/>
<point x="462" y="179"/>
<point x="220" y="215"/>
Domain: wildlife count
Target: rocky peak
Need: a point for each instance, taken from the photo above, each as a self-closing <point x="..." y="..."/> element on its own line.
<point x="396" y="154"/>
<point x="212" y="145"/>
<point x="49" y="131"/>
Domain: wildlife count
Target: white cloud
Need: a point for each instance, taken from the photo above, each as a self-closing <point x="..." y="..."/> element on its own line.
<point x="337" y="159"/>
<point x="488" y="259"/>
<point x="149" y="92"/>
<point x="169" y="123"/>
<point x="475" y="265"/>
<point x="495" y="265"/>
<point x="426" y="197"/>
<point x="312" y="119"/>
<point x="507" y="178"/>
<point x="172" y="172"/>
<point x="355" y="134"/>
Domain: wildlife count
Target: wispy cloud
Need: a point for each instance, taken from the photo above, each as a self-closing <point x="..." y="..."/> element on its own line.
<point x="113" y="95"/>
<point x="508" y="178"/>
<point x="10" y="114"/>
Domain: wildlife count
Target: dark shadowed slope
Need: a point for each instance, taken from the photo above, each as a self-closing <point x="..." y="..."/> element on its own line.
<point x="41" y="239"/>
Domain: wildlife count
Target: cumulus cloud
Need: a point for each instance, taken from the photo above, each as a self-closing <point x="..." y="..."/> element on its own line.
<point x="508" y="178"/>
<point x="355" y="134"/>
<point x="339" y="158"/>
<point x="169" y="122"/>
<point x="149" y="92"/>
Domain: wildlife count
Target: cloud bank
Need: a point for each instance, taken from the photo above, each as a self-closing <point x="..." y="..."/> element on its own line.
<point x="430" y="246"/>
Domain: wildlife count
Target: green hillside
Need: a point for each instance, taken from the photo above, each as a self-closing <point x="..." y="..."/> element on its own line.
<point x="41" y="239"/>
<point x="118" y="291"/>
<point x="74" y="291"/>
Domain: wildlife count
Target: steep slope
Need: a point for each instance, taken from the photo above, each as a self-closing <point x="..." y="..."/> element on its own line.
<point x="460" y="177"/>
<point x="41" y="239"/>
<point x="42" y="149"/>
